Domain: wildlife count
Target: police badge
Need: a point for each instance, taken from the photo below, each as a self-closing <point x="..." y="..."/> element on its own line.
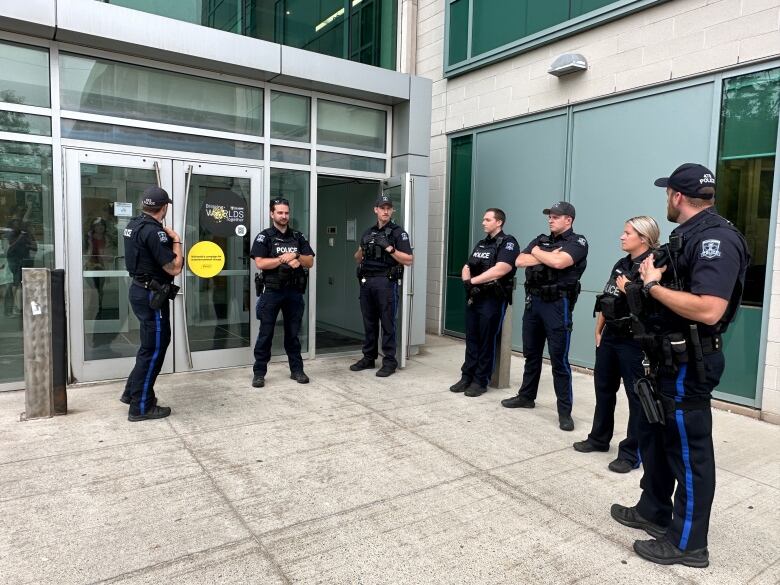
<point x="710" y="249"/>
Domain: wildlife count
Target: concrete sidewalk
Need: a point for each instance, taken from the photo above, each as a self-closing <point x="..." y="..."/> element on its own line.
<point x="351" y="479"/>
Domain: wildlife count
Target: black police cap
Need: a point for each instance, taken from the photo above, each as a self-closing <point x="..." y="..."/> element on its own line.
<point x="155" y="197"/>
<point x="383" y="199"/>
<point x="560" y="208"/>
<point x="690" y="179"/>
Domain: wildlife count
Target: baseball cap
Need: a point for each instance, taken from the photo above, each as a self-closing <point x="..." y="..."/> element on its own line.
<point x="560" y="208"/>
<point x="690" y="179"/>
<point x="155" y="197"/>
<point x="383" y="199"/>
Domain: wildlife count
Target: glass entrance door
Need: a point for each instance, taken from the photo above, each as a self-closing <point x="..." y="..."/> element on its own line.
<point x="216" y="211"/>
<point x="212" y="318"/>
<point x="103" y="192"/>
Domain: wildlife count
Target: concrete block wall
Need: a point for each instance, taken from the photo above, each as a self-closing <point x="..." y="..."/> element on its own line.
<point x="674" y="40"/>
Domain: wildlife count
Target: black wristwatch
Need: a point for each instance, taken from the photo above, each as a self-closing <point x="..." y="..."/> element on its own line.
<point x="646" y="288"/>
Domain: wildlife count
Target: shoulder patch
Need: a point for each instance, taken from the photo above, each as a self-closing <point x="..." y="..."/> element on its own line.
<point x="510" y="246"/>
<point x="261" y="238"/>
<point x="710" y="249"/>
<point x="404" y="236"/>
<point x="582" y="241"/>
<point x="163" y="237"/>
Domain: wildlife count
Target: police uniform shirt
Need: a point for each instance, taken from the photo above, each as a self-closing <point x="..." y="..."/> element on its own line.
<point x="573" y="244"/>
<point x="272" y="243"/>
<point x="398" y="238"/>
<point x="624" y="267"/>
<point x="713" y="260"/>
<point x="155" y="248"/>
<point x="481" y="258"/>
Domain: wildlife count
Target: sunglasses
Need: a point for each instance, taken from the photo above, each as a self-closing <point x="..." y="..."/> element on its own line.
<point x="280" y="201"/>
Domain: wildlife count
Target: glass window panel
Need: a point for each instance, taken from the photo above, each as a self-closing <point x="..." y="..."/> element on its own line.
<point x="129" y="91"/>
<point x="542" y="15"/>
<point x="110" y="327"/>
<point x="80" y="130"/>
<point x="314" y="26"/>
<point x="290" y="116"/>
<point x="293" y="186"/>
<point x="24" y="75"/>
<point x="286" y="154"/>
<point x="25" y="123"/>
<point x="580" y="7"/>
<point x="348" y="126"/>
<point x="459" y="31"/>
<point x="496" y="23"/>
<point x="746" y="163"/>
<point x="350" y="162"/>
<point x="26" y="239"/>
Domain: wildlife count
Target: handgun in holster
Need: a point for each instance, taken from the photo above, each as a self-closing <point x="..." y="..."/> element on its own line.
<point x="650" y="401"/>
<point x="259" y="283"/>
<point x="161" y="294"/>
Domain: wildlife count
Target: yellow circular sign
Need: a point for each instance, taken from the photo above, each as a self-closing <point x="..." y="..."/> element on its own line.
<point x="206" y="259"/>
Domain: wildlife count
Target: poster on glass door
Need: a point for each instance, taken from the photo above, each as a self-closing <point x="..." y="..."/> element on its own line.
<point x="224" y="213"/>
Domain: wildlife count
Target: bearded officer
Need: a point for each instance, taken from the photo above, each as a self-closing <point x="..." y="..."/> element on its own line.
<point x="683" y="308"/>
<point x="284" y="256"/>
<point x="488" y="278"/>
<point x="153" y="256"/>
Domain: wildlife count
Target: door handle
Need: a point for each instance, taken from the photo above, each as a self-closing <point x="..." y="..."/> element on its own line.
<point x="183" y="289"/>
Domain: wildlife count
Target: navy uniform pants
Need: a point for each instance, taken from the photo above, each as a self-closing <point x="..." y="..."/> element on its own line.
<point x="155" y="334"/>
<point x="548" y="321"/>
<point x="378" y="304"/>
<point x="678" y="484"/>
<point x="484" y="318"/>
<point x="617" y="358"/>
<point x="290" y="302"/>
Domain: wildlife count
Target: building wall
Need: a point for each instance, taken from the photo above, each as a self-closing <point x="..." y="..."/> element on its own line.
<point x="670" y="41"/>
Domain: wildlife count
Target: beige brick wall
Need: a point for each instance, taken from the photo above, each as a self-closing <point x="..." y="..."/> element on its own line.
<point x="676" y="39"/>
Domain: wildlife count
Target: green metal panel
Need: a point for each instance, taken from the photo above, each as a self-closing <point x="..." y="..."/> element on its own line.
<point x="459" y="31"/>
<point x="520" y="169"/>
<point x="580" y="7"/>
<point x="458" y="244"/>
<point x="618" y="150"/>
<point x="740" y="346"/>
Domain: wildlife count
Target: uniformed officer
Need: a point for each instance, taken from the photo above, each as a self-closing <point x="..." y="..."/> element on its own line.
<point x="383" y="252"/>
<point x="553" y="267"/>
<point x="618" y="354"/>
<point x="488" y="277"/>
<point x="689" y="303"/>
<point x="153" y="256"/>
<point x="284" y="257"/>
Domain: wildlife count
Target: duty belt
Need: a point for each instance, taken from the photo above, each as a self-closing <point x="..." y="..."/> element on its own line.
<point x="550" y="292"/>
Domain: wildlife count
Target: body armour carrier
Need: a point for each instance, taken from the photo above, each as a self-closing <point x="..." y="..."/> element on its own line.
<point x="284" y="276"/>
<point x="142" y="269"/>
<point x="376" y="260"/>
<point x="613" y="305"/>
<point x="542" y="280"/>
<point x="482" y="259"/>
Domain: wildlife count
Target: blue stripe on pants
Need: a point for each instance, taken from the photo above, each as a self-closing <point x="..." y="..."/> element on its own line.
<point x="568" y="342"/>
<point x="686" y="457"/>
<point x="157" y="330"/>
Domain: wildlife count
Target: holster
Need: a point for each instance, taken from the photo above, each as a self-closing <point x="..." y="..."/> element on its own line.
<point x="161" y="294"/>
<point x="650" y="399"/>
<point x="258" y="283"/>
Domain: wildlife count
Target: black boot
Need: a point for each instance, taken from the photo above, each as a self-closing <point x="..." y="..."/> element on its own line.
<point x="663" y="552"/>
<point x="475" y="390"/>
<point x="461" y="384"/>
<point x="631" y="518"/>
<point x="362" y="364"/>
<point x="517" y="401"/>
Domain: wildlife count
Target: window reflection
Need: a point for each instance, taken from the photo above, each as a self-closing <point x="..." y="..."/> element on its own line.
<point x="26" y="239"/>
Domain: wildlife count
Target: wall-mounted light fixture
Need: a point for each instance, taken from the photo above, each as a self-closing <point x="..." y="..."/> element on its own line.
<point x="568" y="63"/>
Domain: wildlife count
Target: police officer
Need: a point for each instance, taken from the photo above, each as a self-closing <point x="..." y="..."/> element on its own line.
<point x="488" y="277"/>
<point x="153" y="256"/>
<point x="384" y="251"/>
<point x="553" y="267"/>
<point x="284" y="257"/>
<point x="689" y="303"/>
<point x="618" y="354"/>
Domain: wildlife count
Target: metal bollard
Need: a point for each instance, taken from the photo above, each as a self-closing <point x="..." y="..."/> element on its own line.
<point x="42" y="321"/>
<point x="500" y="378"/>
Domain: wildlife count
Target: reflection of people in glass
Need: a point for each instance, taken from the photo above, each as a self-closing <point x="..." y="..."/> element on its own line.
<point x="20" y="245"/>
<point x="100" y="251"/>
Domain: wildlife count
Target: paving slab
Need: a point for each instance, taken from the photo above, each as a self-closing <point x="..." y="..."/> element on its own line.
<point x="352" y="479"/>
